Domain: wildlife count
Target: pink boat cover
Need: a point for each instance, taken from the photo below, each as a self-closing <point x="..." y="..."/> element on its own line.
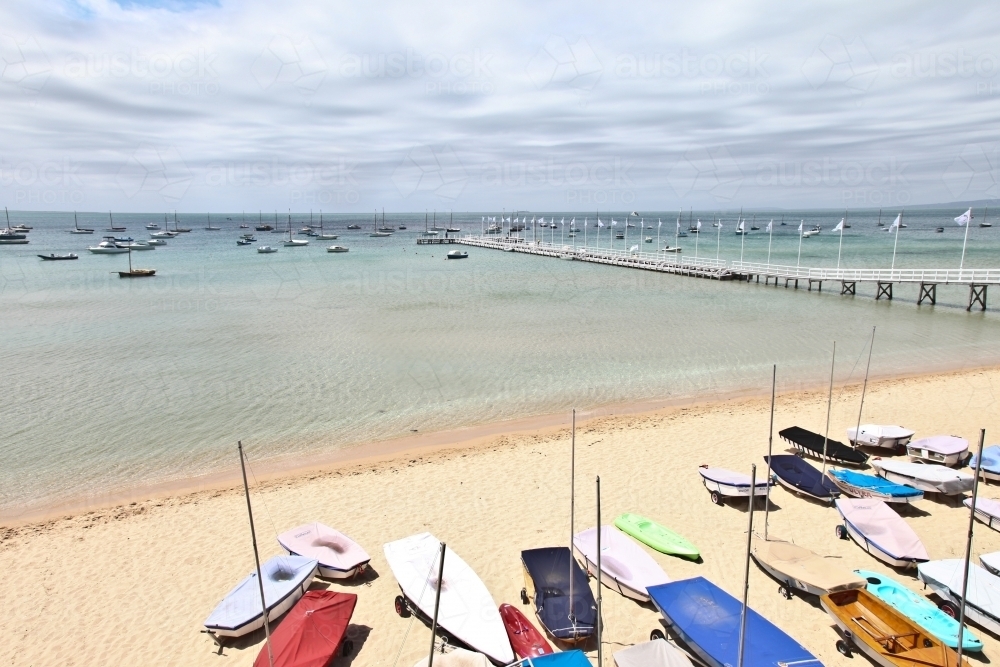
<point x="883" y="527"/>
<point x="330" y="547"/>
<point x="987" y="506"/>
<point x="621" y="558"/>
<point x="942" y="444"/>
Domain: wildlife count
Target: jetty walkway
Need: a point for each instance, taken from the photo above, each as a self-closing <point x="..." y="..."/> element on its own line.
<point x="670" y="261"/>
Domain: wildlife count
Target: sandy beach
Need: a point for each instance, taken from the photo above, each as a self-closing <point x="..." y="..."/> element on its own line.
<point x="132" y="584"/>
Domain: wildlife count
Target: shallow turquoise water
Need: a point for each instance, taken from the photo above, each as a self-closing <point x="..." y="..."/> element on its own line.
<point x="111" y="383"/>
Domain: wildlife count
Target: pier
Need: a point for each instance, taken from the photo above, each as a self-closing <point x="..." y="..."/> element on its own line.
<point x="928" y="280"/>
<point x="434" y="240"/>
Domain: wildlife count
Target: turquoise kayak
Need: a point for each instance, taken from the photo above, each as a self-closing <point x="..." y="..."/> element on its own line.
<point x="920" y="610"/>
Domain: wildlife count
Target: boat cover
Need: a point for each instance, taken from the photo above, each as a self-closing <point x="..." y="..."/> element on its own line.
<point x="459" y="657"/>
<point x="991" y="460"/>
<point x="872" y="434"/>
<point x="708" y="620"/>
<point x="991" y="561"/>
<point x="467" y="611"/>
<point x="732" y="478"/>
<point x="564" y="659"/>
<point x="881" y="526"/>
<point x="799" y="563"/>
<point x="329" y="547"/>
<point x="655" y="653"/>
<point x="987" y="506"/>
<point x="621" y="558"/>
<point x="549" y="569"/>
<point x="311" y="632"/>
<point x="942" y="478"/>
<point x="282" y="575"/>
<point x="813" y="443"/>
<point x="946" y="445"/>
<point x="799" y="474"/>
<point x="877" y="484"/>
<point x="946" y="576"/>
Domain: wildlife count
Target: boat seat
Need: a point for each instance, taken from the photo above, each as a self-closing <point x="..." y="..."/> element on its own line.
<point x="891" y="642"/>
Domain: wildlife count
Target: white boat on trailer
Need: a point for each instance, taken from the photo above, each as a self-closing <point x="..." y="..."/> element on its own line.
<point x="877" y="529"/>
<point x="982" y="601"/>
<point x="798" y="568"/>
<point x="894" y="438"/>
<point x="625" y="566"/>
<point x="949" y="450"/>
<point x="927" y="477"/>
<point x="987" y="511"/>
<point x="339" y="556"/>
<point x="722" y="483"/>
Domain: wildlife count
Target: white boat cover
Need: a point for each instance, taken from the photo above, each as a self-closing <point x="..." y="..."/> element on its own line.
<point x="928" y="477"/>
<point x="990" y="561"/>
<point x="882" y="527"/>
<point x="655" y="653"/>
<point x="987" y="506"/>
<point x="329" y="547"/>
<point x="730" y="478"/>
<point x="621" y="558"/>
<point x="468" y="612"/>
<point x="799" y="563"/>
<point x="282" y="575"/>
<point x="457" y="658"/>
<point x="946" y="445"/>
<point x="983" y="590"/>
<point x="872" y="434"/>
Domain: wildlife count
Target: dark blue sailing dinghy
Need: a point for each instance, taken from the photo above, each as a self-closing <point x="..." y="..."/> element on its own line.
<point x="707" y="620"/>
<point x="568" y="613"/>
<point x="859" y="485"/>
<point x="798" y="476"/>
<point x="812" y="444"/>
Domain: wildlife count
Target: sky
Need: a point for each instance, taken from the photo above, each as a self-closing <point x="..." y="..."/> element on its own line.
<point x="562" y="106"/>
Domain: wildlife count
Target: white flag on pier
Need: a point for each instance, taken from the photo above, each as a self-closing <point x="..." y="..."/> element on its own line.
<point x="739" y="227"/>
<point x="599" y="223"/>
<point x="964" y="219"/>
<point x="840" y="226"/>
<point x="660" y="225"/>
<point x="633" y="248"/>
<point x="698" y="226"/>
<point x="895" y="223"/>
<point x="800" y="225"/>
<point x="769" y="227"/>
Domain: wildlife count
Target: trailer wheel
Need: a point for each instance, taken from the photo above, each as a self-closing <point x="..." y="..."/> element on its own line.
<point x="524" y="596"/>
<point x="656" y="634"/>
<point x="785" y="592"/>
<point x="841" y="532"/>
<point x="949" y="608"/>
<point x="347" y="648"/>
<point x="401" y="608"/>
<point x="445" y="640"/>
<point x="716" y="498"/>
<point x="843" y="648"/>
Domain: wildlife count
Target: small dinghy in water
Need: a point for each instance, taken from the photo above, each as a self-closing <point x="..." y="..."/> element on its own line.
<point x="919" y="609"/>
<point x="877" y="529"/>
<point x="625" y="566"/>
<point x="467" y="611"/>
<point x="982" y="603"/>
<point x="707" y="619"/>
<point x="286" y="579"/>
<point x="800" y="569"/>
<point x="798" y="476"/>
<point x="339" y="556"/>
<point x="859" y="485"/>
<point x="722" y="483"/>
<point x="927" y="477"/>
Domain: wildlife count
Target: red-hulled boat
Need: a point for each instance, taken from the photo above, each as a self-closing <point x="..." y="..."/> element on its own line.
<point x="313" y="631"/>
<point x="525" y="639"/>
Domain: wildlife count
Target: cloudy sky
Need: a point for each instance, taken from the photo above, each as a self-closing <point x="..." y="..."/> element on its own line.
<point x="226" y="106"/>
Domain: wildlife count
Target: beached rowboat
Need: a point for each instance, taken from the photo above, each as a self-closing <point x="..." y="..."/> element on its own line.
<point x="312" y="634"/>
<point x="877" y="529"/>
<point x="722" y="483"/>
<point x="339" y="556"/>
<point x="654" y="653"/>
<point x="814" y="444"/>
<point x="625" y="566"/>
<point x="987" y="511"/>
<point x="894" y="438"/>
<point x="991" y="463"/>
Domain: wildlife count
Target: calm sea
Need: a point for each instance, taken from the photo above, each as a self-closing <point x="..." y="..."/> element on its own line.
<point x="109" y="384"/>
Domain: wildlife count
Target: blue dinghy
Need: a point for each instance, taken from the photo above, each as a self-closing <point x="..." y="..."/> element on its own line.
<point x="707" y="619"/>
<point x="859" y="485"/>
<point x="564" y="659"/>
<point x="920" y="610"/>
<point x="991" y="462"/>
<point x="798" y="476"/>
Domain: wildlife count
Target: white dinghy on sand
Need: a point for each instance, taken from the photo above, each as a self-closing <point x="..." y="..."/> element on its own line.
<point x="929" y="478"/>
<point x="339" y="556"/>
<point x="625" y="566"/>
<point x="894" y="438"/>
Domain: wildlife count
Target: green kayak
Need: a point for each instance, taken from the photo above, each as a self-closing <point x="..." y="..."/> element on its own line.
<point x="659" y="537"/>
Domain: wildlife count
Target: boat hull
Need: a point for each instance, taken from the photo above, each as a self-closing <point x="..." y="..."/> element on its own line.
<point x="856" y="491"/>
<point x="874" y="550"/>
<point x="609" y="580"/>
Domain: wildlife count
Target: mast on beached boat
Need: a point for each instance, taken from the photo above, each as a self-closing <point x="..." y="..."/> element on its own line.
<point x="572" y="513"/>
<point x="437" y="606"/>
<point x="968" y="544"/>
<point x="746" y="568"/>
<point x="770" y="442"/>
<point x="256" y="557"/>
<point x="600" y="649"/>
<point x="829" y="403"/>
<point x="864" y="387"/>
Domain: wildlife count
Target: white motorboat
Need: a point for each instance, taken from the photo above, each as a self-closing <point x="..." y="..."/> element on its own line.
<point x="456" y="254"/>
<point x="467" y="611"/>
<point x="295" y="243"/>
<point x="722" y="483"/>
<point x="156" y="242"/>
<point x="286" y="579"/>
<point x="625" y="566"/>
<point x="982" y="601"/>
<point x="929" y="478"/>
<point x="140" y="245"/>
<point x="163" y="235"/>
<point x="947" y="450"/>
<point x="107" y="248"/>
<point x="337" y="248"/>
<point x="152" y="225"/>
<point x="671" y="249"/>
<point x="884" y="437"/>
<point x="264" y="249"/>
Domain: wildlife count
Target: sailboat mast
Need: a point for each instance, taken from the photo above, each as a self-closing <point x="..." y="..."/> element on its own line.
<point x="600" y="648"/>
<point x="437" y="606"/>
<point x="968" y="543"/>
<point x="770" y="442"/>
<point x="572" y="509"/>
<point x="746" y="567"/>
<point x="256" y="557"/>
<point x="864" y="387"/>
<point x="829" y="403"/>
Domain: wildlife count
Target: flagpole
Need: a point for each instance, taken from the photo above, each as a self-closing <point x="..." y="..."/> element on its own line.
<point x="798" y="260"/>
<point x="829" y="404"/>
<point x="584" y="231"/>
<point x="743" y="235"/>
<point x="658" y="235"/>
<point x="896" y="242"/>
<point x="718" y="239"/>
<point x="770" y="236"/>
<point x="841" y="246"/>
<point x="770" y="443"/>
<point x="968" y="223"/>
<point x="696" y="239"/>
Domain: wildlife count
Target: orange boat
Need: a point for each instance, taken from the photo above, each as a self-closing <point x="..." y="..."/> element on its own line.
<point x="883" y="634"/>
